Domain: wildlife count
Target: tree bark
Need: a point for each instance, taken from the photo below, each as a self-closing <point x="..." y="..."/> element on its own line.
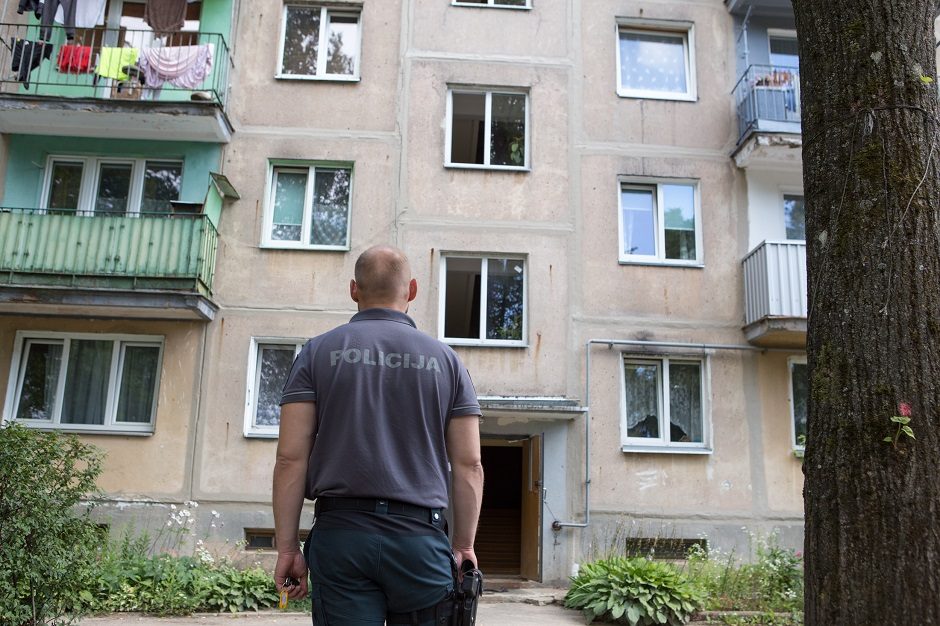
<point x="870" y="155"/>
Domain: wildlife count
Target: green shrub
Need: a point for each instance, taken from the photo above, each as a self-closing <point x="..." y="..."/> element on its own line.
<point x="633" y="591"/>
<point x="46" y="546"/>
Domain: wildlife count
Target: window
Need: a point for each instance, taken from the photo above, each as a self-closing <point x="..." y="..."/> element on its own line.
<point x="269" y="365"/>
<point x="664" y="404"/>
<point x="483" y="300"/>
<point x="308" y="207"/>
<point x="659" y="223"/>
<point x="319" y="43"/>
<point x="794" y="216"/>
<point x="487" y="129"/>
<point x="106" y="186"/>
<point x="655" y="60"/>
<point x="85" y="382"/>
<point x="784" y="49"/>
<point x="799" y="395"/>
<point x="505" y="4"/>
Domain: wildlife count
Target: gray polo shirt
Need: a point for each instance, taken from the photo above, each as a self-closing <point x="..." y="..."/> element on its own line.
<point x="384" y="393"/>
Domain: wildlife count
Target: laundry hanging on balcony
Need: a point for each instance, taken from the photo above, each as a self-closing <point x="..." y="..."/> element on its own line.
<point x="181" y="66"/>
<point x="30" y="5"/>
<point x="165" y="16"/>
<point x="88" y="13"/>
<point x="74" y="59"/>
<point x="49" y="10"/>
<point x="113" y="62"/>
<point x="27" y="56"/>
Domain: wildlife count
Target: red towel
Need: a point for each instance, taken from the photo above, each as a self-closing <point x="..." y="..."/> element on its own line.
<point x="74" y="59"/>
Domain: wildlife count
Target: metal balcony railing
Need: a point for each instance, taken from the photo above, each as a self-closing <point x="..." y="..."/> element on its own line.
<point x="768" y="94"/>
<point x="169" y="251"/>
<point x="114" y="64"/>
<point x="775" y="281"/>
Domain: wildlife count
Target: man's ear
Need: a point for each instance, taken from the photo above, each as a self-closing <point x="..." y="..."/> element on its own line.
<point x="354" y="290"/>
<point x="412" y="290"/>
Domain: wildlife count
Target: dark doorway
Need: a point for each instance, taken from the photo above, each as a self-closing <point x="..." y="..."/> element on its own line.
<point x="499" y="534"/>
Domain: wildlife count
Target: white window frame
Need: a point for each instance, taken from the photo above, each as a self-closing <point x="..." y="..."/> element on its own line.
<point x="662" y="443"/>
<point x="791" y="361"/>
<point x="659" y="258"/>
<point x="782" y="196"/>
<point x="685" y="30"/>
<point x="110" y="426"/>
<point x="493" y="4"/>
<point x="488" y="121"/>
<point x="779" y="33"/>
<point x="307" y="223"/>
<point x="325" y="12"/>
<point x="91" y="168"/>
<point x="482" y="340"/>
<point x="253" y="383"/>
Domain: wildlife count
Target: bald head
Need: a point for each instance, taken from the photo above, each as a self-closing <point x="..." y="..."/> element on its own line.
<point x="383" y="279"/>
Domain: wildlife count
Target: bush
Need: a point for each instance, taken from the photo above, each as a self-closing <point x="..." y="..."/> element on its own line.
<point x="46" y="546"/>
<point x="633" y="591"/>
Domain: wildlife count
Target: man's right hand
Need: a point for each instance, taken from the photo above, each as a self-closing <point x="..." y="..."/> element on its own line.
<point x="461" y="555"/>
<point x="291" y="565"/>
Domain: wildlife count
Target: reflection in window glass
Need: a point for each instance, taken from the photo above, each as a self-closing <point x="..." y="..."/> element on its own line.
<point x="642" y="399"/>
<point x="679" y="221"/>
<point x="40" y="380"/>
<point x="507" y="135"/>
<point x="330" y="207"/>
<point x="639" y="235"/>
<point x="504" y="299"/>
<point x="799" y="381"/>
<point x="86" y="382"/>
<point x="114" y="188"/>
<point x="290" y="189"/>
<point x="301" y="40"/>
<point x="65" y="185"/>
<point x="273" y="367"/>
<point x="138" y="382"/>
<point x="162" y="184"/>
<point x="653" y="62"/>
<point x="685" y="402"/>
<point x="794" y="215"/>
<point x="343" y="35"/>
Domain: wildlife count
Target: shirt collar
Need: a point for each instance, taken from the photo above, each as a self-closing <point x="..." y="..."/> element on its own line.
<point x="390" y="315"/>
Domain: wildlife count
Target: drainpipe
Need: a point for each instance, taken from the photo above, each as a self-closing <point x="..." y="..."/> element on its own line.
<point x="610" y="343"/>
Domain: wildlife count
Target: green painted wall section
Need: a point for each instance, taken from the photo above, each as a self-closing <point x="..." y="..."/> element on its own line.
<point x="28" y="156"/>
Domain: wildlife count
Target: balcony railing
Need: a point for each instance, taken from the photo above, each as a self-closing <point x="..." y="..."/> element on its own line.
<point x="141" y="251"/>
<point x="114" y="64"/>
<point x="775" y="281"/>
<point x="768" y="99"/>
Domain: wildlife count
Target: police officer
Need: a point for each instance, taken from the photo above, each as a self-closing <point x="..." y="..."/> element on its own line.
<point x="371" y="415"/>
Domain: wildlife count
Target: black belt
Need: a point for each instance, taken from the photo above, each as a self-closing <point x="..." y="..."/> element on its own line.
<point x="377" y="505"/>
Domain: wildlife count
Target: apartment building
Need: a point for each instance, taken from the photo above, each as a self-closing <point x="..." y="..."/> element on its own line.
<point x="601" y="201"/>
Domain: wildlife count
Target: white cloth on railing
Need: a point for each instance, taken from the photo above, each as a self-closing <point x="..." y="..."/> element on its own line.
<point x="88" y="13"/>
<point x="181" y="66"/>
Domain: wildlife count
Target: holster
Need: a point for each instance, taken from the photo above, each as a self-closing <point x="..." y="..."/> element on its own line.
<point x="467" y="596"/>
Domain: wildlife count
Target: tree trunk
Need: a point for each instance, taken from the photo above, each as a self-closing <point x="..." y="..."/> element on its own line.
<point x="870" y="155"/>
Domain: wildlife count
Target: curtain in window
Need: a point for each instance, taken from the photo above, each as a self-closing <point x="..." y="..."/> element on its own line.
<point x="642" y="399"/>
<point x="652" y="62"/>
<point x="274" y="363"/>
<point x="40" y="381"/>
<point x="330" y="207"/>
<point x="86" y="382"/>
<point x="685" y="402"/>
<point x="638" y="221"/>
<point x="138" y="381"/>
<point x="290" y="188"/>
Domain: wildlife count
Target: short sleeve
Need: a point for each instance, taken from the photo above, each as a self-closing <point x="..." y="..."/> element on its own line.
<point x="465" y="396"/>
<point x="300" y="385"/>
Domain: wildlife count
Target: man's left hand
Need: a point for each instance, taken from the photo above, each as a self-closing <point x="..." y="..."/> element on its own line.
<point x="291" y="565"/>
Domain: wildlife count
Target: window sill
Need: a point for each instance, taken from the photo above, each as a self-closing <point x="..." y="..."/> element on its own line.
<point x="280" y="246"/>
<point x="476" y="343"/>
<point x="79" y="429"/>
<point x="497" y="168"/>
<point x="490" y="6"/>
<point x="662" y="263"/>
<point x="647" y="449"/>
<point x="653" y="95"/>
<point x="260" y="434"/>
<point x="329" y="79"/>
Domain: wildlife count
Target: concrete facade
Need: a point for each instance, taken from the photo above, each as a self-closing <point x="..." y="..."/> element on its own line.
<point x="558" y="215"/>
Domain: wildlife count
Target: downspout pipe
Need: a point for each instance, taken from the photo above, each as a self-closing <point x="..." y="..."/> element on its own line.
<point x="610" y="343"/>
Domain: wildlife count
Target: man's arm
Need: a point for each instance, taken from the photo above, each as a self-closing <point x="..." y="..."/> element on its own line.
<point x="295" y="441"/>
<point x="463" y="449"/>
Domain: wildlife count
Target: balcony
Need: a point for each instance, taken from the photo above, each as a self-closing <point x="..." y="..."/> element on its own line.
<point x="760" y="8"/>
<point x="775" y="295"/>
<point x="120" y="83"/>
<point x="767" y="98"/>
<point x="156" y="265"/>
